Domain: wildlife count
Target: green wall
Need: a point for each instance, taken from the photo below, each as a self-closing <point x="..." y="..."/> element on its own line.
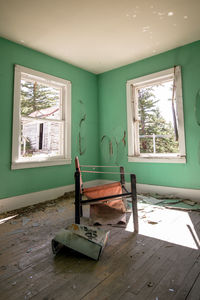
<point x="113" y="121"/>
<point x="84" y="105"/>
<point x="100" y="101"/>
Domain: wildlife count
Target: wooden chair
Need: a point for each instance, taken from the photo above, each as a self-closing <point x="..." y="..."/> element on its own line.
<point x="111" y="194"/>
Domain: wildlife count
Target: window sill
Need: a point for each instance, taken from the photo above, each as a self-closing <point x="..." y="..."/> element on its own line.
<point x="42" y="163"/>
<point x="158" y="159"/>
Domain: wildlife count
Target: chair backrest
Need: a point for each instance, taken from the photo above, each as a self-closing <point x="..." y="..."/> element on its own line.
<point x="77" y="165"/>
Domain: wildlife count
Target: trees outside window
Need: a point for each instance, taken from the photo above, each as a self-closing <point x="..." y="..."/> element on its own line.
<point x="155" y="117"/>
<point x="42" y="112"/>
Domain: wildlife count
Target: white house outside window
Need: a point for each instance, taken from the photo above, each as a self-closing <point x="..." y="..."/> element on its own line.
<point x="41" y="120"/>
<point x="155" y="118"/>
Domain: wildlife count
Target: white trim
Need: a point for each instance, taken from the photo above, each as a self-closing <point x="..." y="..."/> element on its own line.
<point x="130" y="128"/>
<point x="16" y="117"/>
<point x="155" y="159"/>
<point x="67" y="117"/>
<point x="42" y="120"/>
<point x="132" y="118"/>
<point x="148" y="79"/>
<point x="192" y="194"/>
<point x="35" y="164"/>
<point x="11" y="203"/>
<point x="65" y="85"/>
<point x="179" y="109"/>
<point x="40" y="76"/>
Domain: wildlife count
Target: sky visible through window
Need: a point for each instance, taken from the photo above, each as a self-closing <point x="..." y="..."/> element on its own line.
<point x="156" y="126"/>
<point x="163" y="93"/>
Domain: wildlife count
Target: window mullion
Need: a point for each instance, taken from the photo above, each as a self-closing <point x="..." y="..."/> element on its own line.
<point x="134" y="98"/>
<point x="179" y="109"/>
<point x="16" y="117"/>
<point x="42" y="119"/>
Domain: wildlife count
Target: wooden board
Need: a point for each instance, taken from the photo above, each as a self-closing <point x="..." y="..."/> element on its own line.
<point x="132" y="266"/>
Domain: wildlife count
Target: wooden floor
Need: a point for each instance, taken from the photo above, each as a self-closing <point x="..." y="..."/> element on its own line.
<point x="161" y="262"/>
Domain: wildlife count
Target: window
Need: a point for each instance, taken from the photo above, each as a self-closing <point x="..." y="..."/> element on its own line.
<point x="155" y="118"/>
<point x="41" y="120"/>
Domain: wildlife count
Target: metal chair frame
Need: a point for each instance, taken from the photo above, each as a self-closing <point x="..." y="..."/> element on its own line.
<point x="79" y="192"/>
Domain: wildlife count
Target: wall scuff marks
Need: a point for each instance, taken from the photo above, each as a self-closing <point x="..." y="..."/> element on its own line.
<point x="197" y="116"/>
<point x="110" y="148"/>
<point x="197" y="107"/>
<point x="113" y="148"/>
<point x="124" y="138"/>
<point x="81" y="134"/>
<point x="107" y="143"/>
<point x="120" y="148"/>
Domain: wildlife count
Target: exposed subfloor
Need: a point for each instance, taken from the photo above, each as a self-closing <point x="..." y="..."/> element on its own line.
<point x="161" y="262"/>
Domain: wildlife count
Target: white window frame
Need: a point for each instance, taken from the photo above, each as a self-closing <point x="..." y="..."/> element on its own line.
<point x="65" y="86"/>
<point x="134" y="154"/>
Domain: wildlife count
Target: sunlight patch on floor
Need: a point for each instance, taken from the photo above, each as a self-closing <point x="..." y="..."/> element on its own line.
<point x="172" y="226"/>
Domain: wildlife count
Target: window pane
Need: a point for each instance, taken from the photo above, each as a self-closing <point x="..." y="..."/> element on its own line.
<point x="157" y="123"/>
<point x="167" y="145"/>
<point x="41" y="139"/>
<point x="146" y="144"/>
<point x="40" y="100"/>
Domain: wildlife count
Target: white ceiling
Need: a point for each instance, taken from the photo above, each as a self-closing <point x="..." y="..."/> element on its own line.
<point x="100" y="35"/>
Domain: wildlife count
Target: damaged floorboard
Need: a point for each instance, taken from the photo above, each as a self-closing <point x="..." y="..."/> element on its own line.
<point x="161" y="262"/>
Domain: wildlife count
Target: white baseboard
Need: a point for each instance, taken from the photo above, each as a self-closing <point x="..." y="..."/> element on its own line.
<point x="8" y="204"/>
<point x="11" y="203"/>
<point x="166" y="190"/>
<point x="192" y="194"/>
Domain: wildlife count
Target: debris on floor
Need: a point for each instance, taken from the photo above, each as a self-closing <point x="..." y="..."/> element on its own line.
<point x="150" y="284"/>
<point x="152" y="222"/>
<point x="25" y="220"/>
<point x="24" y="211"/>
<point x="149" y="206"/>
<point x="88" y="240"/>
<point x="181" y="205"/>
<point x="165" y="201"/>
<point x="36" y="224"/>
<point x="4" y="220"/>
<point x="189" y="202"/>
<point x="29" y="250"/>
<point x="149" y="200"/>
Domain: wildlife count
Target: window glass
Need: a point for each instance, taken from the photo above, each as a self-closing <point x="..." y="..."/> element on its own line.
<point x="156" y="123"/>
<point x="155" y="117"/>
<point x="41" y="139"/>
<point x="39" y="100"/>
<point x="41" y="120"/>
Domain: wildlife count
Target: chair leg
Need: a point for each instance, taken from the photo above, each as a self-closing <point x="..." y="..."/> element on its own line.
<point x="81" y="209"/>
<point x="77" y="198"/>
<point x="134" y="202"/>
<point x="122" y="179"/>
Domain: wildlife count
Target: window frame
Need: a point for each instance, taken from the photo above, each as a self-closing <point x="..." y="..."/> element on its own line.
<point x="65" y="86"/>
<point x="134" y="154"/>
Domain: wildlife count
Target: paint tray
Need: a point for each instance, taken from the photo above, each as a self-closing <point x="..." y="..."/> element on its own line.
<point x="88" y="240"/>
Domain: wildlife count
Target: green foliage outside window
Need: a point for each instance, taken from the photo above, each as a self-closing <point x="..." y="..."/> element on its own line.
<point x="35" y="96"/>
<point x="152" y="123"/>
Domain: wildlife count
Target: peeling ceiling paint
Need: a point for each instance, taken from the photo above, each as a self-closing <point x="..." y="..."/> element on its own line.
<point x="100" y="35"/>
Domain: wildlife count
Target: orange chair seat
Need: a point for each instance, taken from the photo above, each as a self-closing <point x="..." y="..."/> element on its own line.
<point x="103" y="190"/>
